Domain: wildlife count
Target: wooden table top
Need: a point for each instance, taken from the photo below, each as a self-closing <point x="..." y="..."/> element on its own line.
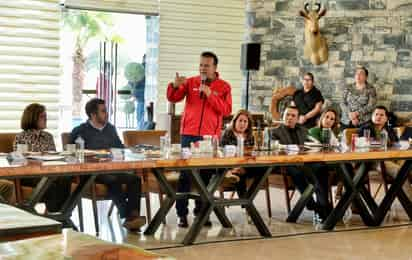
<point x="73" y="245"/>
<point x="16" y="224"/>
<point x="130" y="162"/>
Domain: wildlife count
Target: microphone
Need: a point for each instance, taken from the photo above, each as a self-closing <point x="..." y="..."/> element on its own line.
<point x="203" y="78"/>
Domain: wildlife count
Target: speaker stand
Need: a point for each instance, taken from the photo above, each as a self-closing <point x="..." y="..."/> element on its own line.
<point x="247" y="91"/>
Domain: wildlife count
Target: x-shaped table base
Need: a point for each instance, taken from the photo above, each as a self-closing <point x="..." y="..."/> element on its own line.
<point x="210" y="203"/>
<point x="66" y="210"/>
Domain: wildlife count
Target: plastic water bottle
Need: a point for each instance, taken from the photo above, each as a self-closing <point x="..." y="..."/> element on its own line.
<point x="164" y="145"/>
<point x="240" y="145"/>
<point x="80" y="148"/>
<point x="215" y="145"/>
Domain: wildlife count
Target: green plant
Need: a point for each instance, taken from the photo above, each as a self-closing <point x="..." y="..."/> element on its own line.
<point x="134" y="72"/>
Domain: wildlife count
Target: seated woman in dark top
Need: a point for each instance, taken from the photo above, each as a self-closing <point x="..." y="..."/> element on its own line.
<point x="240" y="126"/>
<point x="377" y="125"/>
<point x="33" y="123"/>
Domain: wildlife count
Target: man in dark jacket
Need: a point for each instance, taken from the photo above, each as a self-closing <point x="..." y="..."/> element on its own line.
<point x="208" y="100"/>
<point x="98" y="133"/>
<point x="292" y="133"/>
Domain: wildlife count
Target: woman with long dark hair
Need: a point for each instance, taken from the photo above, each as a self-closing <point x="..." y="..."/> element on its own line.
<point x="240" y="126"/>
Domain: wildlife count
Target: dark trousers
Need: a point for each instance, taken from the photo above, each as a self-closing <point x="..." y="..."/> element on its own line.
<point x="184" y="183"/>
<point x="127" y="202"/>
<point x="314" y="173"/>
<point x="250" y="173"/>
<point x="56" y="194"/>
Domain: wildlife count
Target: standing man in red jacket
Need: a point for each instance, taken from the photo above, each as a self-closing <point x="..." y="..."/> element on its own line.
<point x="208" y="100"/>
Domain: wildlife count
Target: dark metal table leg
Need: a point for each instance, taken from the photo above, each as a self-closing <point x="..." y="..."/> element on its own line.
<point x="354" y="192"/>
<point x="66" y="210"/>
<point x="214" y="184"/>
<point x="37" y="194"/>
<point x="394" y="191"/>
<point x="222" y="217"/>
<point x="166" y="204"/>
<point x="304" y="197"/>
<point x="405" y="202"/>
<point x="250" y="207"/>
<point x="208" y="201"/>
<point x="198" y="223"/>
<point x="207" y="195"/>
<point x="300" y="205"/>
<point x="362" y="198"/>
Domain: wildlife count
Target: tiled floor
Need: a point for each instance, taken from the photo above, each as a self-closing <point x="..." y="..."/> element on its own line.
<point x="376" y="244"/>
<point x="170" y="235"/>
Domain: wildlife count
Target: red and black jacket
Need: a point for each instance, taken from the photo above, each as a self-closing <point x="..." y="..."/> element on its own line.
<point x="202" y="115"/>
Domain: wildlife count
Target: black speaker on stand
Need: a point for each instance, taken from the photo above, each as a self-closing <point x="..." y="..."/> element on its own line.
<point x="249" y="60"/>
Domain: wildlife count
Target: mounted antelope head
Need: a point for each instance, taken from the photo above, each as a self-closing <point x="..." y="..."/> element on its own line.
<point x="316" y="48"/>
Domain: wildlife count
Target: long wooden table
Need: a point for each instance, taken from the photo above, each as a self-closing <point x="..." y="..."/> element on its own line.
<point x="16" y="224"/>
<point x="73" y="245"/>
<point x="372" y="213"/>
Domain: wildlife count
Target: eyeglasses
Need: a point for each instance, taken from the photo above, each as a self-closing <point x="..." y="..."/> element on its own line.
<point x="307" y="79"/>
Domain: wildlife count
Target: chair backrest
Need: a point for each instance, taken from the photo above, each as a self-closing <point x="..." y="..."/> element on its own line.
<point x="347" y="133"/>
<point x="277" y="96"/>
<point x="152" y="137"/>
<point x="6" y="142"/>
<point x="65" y="139"/>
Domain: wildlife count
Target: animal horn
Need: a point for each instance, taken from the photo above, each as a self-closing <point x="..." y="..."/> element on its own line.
<point x="318" y="7"/>
<point x="307" y="7"/>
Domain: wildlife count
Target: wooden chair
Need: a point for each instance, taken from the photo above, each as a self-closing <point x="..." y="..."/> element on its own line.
<point x="6" y="142"/>
<point x="6" y="146"/>
<point x="96" y="192"/>
<point x="385" y="177"/>
<point x="134" y="137"/>
<point x="278" y="96"/>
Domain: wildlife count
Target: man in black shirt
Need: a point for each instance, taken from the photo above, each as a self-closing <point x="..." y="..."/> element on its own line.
<point x="290" y="132"/>
<point x="309" y="102"/>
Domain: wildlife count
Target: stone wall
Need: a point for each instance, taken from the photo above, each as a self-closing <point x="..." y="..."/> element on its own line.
<point x="374" y="33"/>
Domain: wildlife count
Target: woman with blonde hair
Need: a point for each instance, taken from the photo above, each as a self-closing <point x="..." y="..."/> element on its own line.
<point x="329" y="119"/>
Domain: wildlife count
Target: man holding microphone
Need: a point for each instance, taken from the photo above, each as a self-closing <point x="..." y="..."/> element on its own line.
<point x="208" y="100"/>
